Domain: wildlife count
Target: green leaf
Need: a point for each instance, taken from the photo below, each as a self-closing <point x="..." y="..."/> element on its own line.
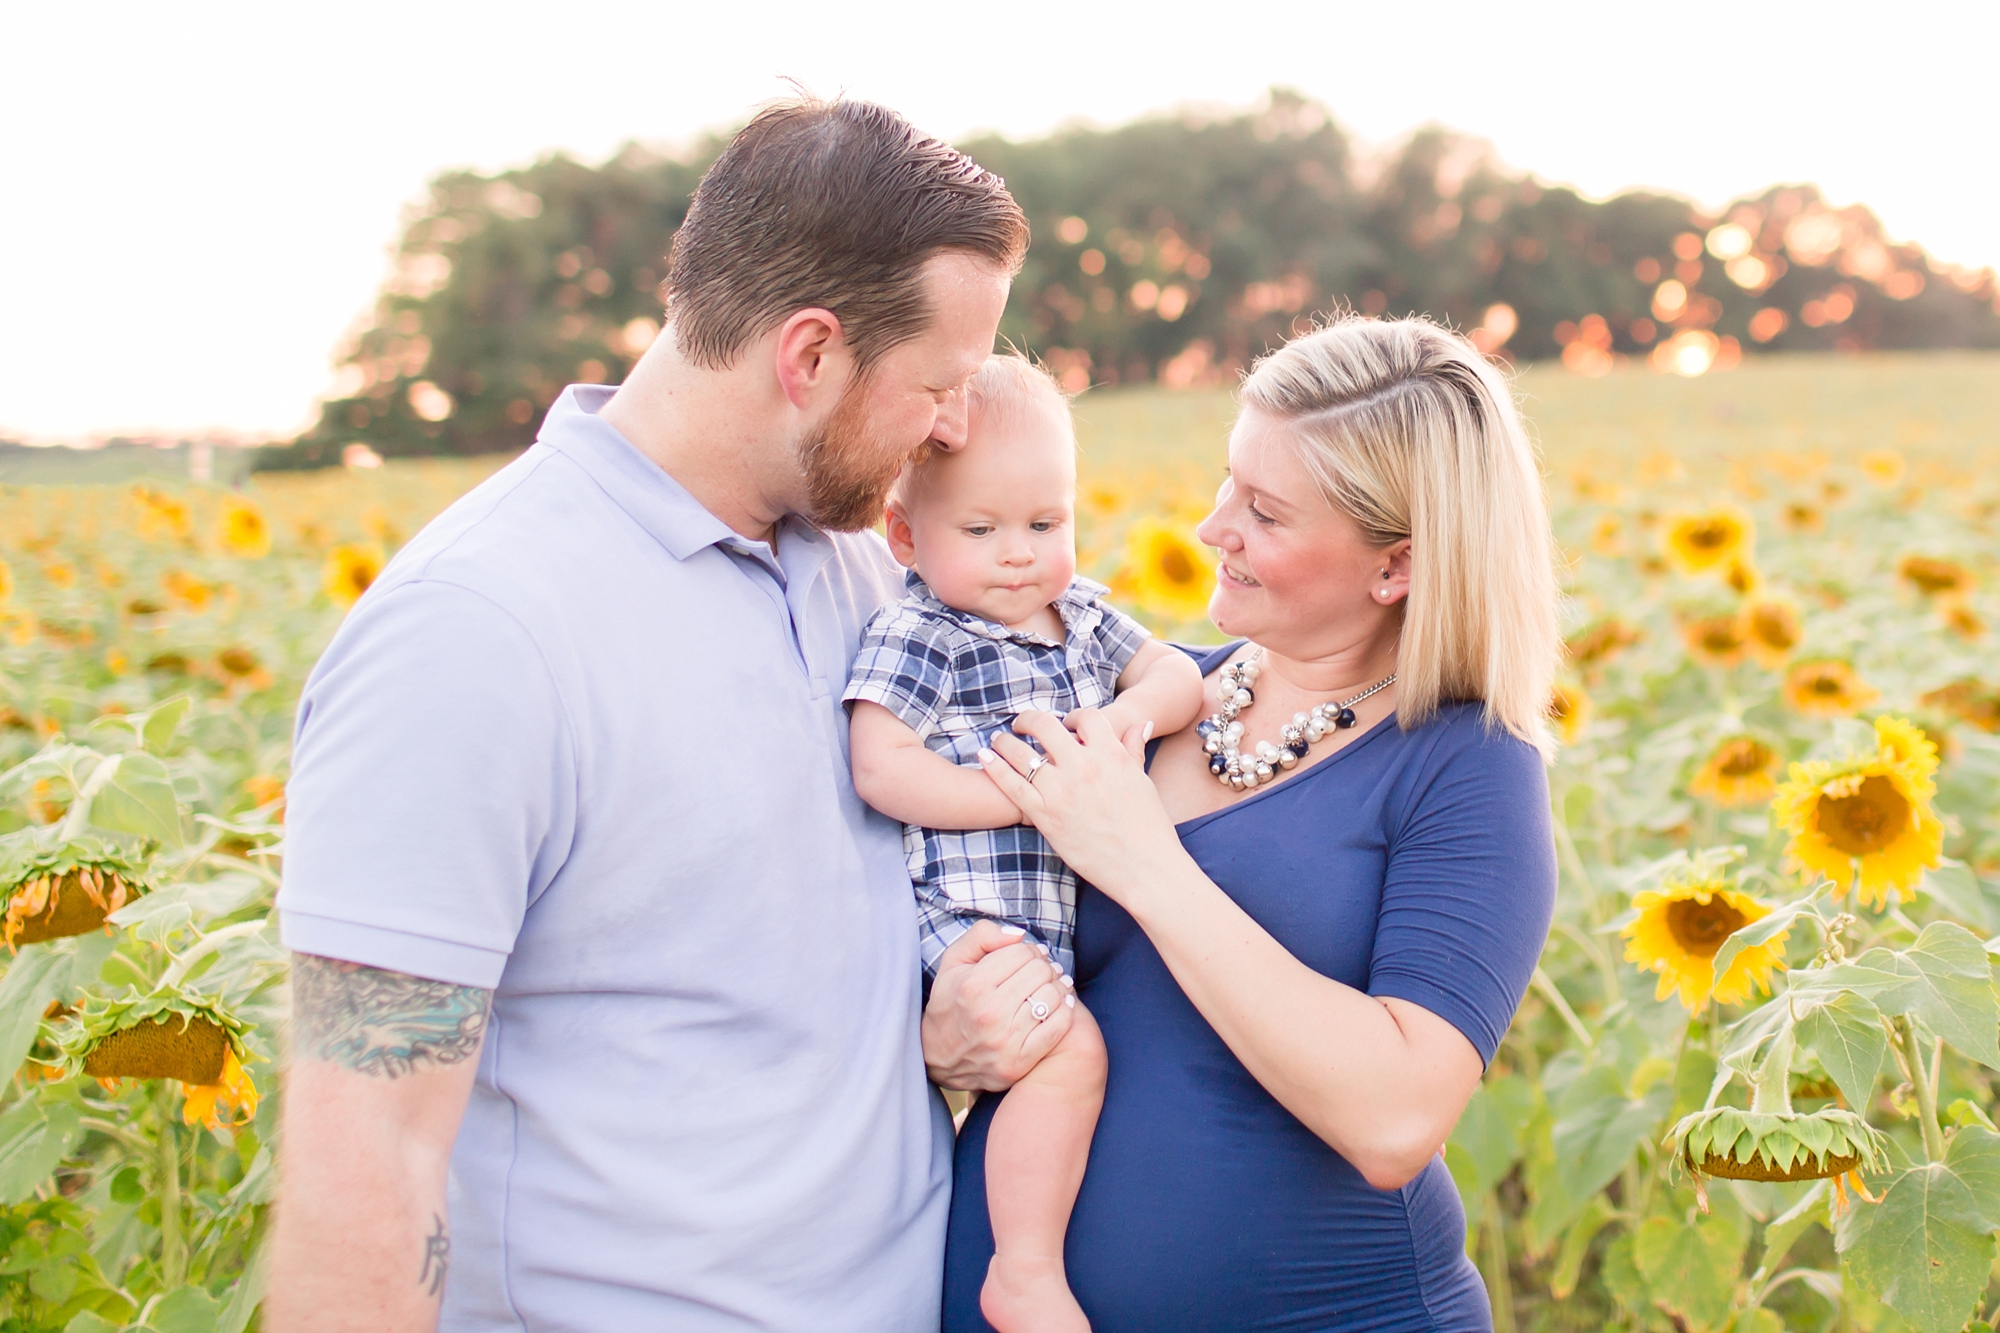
<point x="249" y="1289"/>
<point x="1690" y="1267"/>
<point x="1576" y="1244"/>
<point x="1923" y="1250"/>
<point x="1621" y="1276"/>
<point x="157" y="731"/>
<point x="128" y="1186"/>
<point x="1488" y="1133"/>
<point x="1758" y="1320"/>
<point x="1956" y="1000"/>
<point x="32" y="1143"/>
<point x="89" y="1321"/>
<point x="1786" y="1228"/>
<point x="1846" y="1034"/>
<point x="1597" y="1129"/>
<point x="1974" y="1157"/>
<point x="1762" y="931"/>
<point x="39" y="974"/>
<point x="139" y="799"/>
<point x="189" y="1310"/>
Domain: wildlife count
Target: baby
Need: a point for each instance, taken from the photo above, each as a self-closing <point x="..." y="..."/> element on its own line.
<point x="997" y="623"/>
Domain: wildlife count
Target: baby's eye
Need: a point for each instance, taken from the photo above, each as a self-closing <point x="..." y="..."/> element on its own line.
<point x="979" y="530"/>
<point x="1045" y="524"/>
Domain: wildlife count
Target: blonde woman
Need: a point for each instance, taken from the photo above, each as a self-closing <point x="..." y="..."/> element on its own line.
<point x="1311" y="915"/>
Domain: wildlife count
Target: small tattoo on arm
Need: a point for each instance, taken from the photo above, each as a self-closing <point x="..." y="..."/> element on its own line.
<point x="383" y="1024"/>
<point x="437" y="1257"/>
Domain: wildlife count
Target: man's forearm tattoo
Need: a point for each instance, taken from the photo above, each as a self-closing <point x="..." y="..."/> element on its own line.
<point x="437" y="1257"/>
<point x="382" y="1023"/>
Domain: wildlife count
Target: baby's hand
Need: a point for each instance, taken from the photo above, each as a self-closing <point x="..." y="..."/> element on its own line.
<point x="1121" y="715"/>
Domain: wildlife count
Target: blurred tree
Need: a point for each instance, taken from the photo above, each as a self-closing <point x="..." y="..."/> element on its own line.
<point x="1175" y="248"/>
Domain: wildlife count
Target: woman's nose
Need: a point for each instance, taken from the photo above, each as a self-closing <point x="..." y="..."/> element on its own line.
<point x="1214" y="532"/>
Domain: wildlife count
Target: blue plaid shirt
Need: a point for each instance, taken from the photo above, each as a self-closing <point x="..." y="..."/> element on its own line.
<point x="956" y="679"/>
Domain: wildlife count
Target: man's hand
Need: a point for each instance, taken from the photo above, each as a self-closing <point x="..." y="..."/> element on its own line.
<point x="978" y="1031"/>
<point x="381" y="1068"/>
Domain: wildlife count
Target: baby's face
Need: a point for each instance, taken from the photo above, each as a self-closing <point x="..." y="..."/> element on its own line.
<point x="991" y="527"/>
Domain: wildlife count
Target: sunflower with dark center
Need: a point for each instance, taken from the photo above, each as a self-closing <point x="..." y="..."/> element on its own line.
<point x="1705" y="543"/>
<point x="1867" y="818"/>
<point x="1772" y="628"/>
<point x="1601" y="641"/>
<point x="1969" y="700"/>
<point x="1741" y="771"/>
<point x="55" y="891"/>
<point x="1167" y="571"/>
<point x="1569" y="711"/>
<point x="172" y="1033"/>
<point x="1827" y="689"/>
<point x="1716" y="640"/>
<point x="1678" y="928"/>
<point x="1932" y="576"/>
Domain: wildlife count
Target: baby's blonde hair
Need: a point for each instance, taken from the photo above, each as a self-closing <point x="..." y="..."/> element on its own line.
<point x="1413" y="434"/>
<point x="1007" y="389"/>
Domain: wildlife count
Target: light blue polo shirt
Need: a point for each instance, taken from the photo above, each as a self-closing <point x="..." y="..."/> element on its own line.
<point x="584" y="745"/>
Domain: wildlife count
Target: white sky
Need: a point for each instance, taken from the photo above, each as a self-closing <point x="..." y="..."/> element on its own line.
<point x="200" y="196"/>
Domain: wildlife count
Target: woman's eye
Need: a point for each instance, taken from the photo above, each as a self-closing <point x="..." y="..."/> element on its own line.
<point x="1261" y="517"/>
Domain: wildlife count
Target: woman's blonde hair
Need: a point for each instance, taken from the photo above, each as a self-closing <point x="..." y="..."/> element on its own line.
<point x="1410" y="432"/>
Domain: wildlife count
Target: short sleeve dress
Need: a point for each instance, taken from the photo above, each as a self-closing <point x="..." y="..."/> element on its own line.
<point x="1418" y="864"/>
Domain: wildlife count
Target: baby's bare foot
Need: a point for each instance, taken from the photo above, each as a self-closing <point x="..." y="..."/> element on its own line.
<point x="1030" y="1295"/>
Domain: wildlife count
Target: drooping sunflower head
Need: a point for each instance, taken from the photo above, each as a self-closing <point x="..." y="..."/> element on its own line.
<point x="243" y="530"/>
<point x="172" y="1033"/>
<point x="349" y="572"/>
<point x="1932" y="576"/>
<point x="1569" y="710"/>
<point x="1739" y="772"/>
<point x="1679" y="927"/>
<point x="1715" y="640"/>
<point x="232" y="1092"/>
<point x="1867" y="817"/>
<point x="1771" y="628"/>
<point x="1708" y="542"/>
<point x="1168" y="572"/>
<point x="54" y="891"/>
<point x="1826" y="688"/>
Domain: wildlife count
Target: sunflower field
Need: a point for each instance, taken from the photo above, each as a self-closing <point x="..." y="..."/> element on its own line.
<point x="1752" y="1086"/>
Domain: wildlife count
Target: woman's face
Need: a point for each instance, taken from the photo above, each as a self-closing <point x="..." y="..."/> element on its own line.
<point x="1296" y="576"/>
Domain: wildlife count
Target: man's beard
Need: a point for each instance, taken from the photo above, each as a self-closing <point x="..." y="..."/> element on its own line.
<point x="848" y="468"/>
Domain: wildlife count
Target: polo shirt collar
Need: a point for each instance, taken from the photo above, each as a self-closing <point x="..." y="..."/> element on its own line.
<point x="652" y="498"/>
<point x="1077" y="605"/>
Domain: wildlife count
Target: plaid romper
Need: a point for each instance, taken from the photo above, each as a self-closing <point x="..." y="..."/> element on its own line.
<point x="957" y="679"/>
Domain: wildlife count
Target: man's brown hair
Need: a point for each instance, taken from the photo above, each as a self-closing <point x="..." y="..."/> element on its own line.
<point x="830" y="204"/>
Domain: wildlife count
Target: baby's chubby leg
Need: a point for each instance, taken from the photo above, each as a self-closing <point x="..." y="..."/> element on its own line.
<point x="1036" y="1150"/>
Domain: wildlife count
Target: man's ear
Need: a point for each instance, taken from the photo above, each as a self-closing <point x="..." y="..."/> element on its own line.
<point x="813" y="360"/>
<point x="902" y="543"/>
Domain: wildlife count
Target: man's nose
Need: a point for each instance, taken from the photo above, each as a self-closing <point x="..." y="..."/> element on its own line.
<point x="949" y="427"/>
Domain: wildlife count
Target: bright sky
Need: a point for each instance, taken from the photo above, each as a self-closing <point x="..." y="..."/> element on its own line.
<point x="201" y="196"/>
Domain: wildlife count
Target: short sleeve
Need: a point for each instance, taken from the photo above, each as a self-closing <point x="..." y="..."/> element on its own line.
<point x="433" y="788"/>
<point x="1119" y="637"/>
<point x="905" y="665"/>
<point x="1470" y="887"/>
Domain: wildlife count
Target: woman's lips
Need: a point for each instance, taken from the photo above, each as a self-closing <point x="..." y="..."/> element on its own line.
<point x="1240" y="580"/>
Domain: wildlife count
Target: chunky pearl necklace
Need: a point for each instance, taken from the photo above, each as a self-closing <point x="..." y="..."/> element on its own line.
<point x="1221" y="734"/>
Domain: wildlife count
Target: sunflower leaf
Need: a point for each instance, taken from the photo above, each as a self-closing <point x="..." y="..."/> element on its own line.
<point x="1785" y="1229"/>
<point x="1923" y="1250"/>
<point x="1956" y="999"/>
<point x="1596" y="1130"/>
<point x="139" y="799"/>
<point x="33" y="1142"/>
<point x="157" y="730"/>
<point x="36" y="976"/>
<point x="1762" y="931"/>
<point x="1974" y="1155"/>
<point x="1845" y="1032"/>
<point x="1690" y="1267"/>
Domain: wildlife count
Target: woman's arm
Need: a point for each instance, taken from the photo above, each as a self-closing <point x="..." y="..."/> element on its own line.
<point x="1382" y="1081"/>
<point x="895" y="774"/>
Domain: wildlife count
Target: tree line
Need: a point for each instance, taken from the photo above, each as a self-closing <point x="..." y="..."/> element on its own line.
<point x="1174" y="249"/>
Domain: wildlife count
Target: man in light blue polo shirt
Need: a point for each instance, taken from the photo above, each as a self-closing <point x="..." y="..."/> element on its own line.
<point x="606" y="984"/>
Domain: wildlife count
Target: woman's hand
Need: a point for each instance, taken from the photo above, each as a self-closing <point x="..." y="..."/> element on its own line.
<point x="980" y="1031"/>
<point x="1091" y="798"/>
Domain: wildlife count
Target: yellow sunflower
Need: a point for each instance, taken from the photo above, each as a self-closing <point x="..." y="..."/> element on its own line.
<point x="188" y="590"/>
<point x="1772" y="628"/>
<point x="1704" y="543"/>
<point x="233" y="1092"/>
<point x="1884" y="467"/>
<point x="1738" y="773"/>
<point x="1601" y="642"/>
<point x="1802" y="517"/>
<point x="1867" y="815"/>
<point x="1742" y="577"/>
<point x="1569" y="710"/>
<point x="243" y="530"/>
<point x="6" y="581"/>
<point x="1931" y="576"/>
<point x="1826" y="689"/>
<point x="1168" y="572"/>
<point x="1715" y="640"/>
<point x="1963" y="620"/>
<point x="1970" y="700"/>
<point x="1681" y="925"/>
<point x="349" y="571"/>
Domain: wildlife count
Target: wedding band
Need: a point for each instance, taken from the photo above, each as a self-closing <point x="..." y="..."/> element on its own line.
<point x="1041" y="762"/>
<point x="1038" y="1009"/>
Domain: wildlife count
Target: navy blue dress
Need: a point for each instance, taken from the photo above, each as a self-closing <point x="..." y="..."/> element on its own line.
<point x="1413" y="864"/>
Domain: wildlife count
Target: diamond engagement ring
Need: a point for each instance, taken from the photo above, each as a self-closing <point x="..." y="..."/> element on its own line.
<point x="1038" y="1009"/>
<point x="1041" y="762"/>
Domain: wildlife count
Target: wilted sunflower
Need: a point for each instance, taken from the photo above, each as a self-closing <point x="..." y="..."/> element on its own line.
<point x="57" y="889"/>
<point x="1569" y="710"/>
<point x="1168" y="572"/>
<point x="1702" y="543"/>
<point x="1867" y="815"/>
<point x="1970" y="700"/>
<point x="1740" y="772"/>
<point x="1772" y="628"/>
<point x="1715" y="640"/>
<point x="1681" y="925"/>
<point x="1826" y="689"/>
<point x="243" y="531"/>
<point x="1931" y="576"/>
<point x="172" y="1033"/>
<point x="349" y="571"/>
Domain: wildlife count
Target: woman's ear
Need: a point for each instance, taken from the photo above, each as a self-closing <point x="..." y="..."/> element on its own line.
<point x="902" y="543"/>
<point x="1393" y="582"/>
